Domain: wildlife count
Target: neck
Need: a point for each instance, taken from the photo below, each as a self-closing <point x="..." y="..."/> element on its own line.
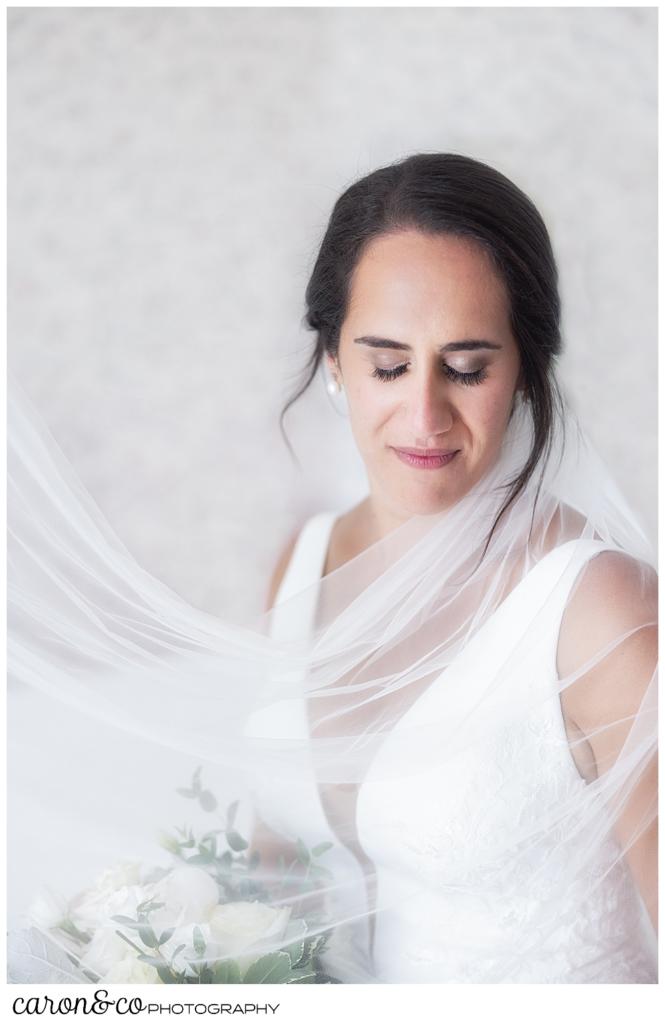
<point x="378" y="520"/>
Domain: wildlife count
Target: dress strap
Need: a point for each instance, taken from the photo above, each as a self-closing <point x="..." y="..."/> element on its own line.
<point x="308" y="557"/>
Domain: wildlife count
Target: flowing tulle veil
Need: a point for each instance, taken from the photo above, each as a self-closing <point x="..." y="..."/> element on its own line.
<point x="131" y="713"/>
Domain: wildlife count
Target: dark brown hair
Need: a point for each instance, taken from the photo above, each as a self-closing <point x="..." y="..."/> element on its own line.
<point x="447" y="193"/>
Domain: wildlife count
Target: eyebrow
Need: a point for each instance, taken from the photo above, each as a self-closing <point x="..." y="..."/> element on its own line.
<point x="464" y="345"/>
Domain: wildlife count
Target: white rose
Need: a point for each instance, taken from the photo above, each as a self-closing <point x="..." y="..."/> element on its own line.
<point x="47" y="909"/>
<point x="117" y="890"/>
<point x="190" y="895"/>
<point x="106" y="949"/>
<point x="96" y="908"/>
<point x="246" y="927"/>
<point x="132" y="971"/>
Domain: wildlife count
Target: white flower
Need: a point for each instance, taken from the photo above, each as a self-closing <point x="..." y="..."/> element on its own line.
<point x="190" y="895"/>
<point x="244" y="927"/>
<point x="132" y="971"/>
<point x="106" y="949"/>
<point x="94" y="909"/>
<point x="117" y="890"/>
<point x="47" y="909"/>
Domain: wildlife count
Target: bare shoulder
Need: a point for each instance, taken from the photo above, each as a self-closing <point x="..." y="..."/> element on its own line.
<point x="611" y="615"/>
<point x="614" y="590"/>
<point x="280" y="569"/>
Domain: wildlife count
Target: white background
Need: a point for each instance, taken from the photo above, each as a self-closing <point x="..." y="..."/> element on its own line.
<point x="171" y="175"/>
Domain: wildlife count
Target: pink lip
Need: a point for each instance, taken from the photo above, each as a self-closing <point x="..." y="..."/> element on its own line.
<point x="426" y="458"/>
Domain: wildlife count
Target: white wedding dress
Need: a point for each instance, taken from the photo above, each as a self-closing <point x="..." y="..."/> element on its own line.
<point x="441" y="829"/>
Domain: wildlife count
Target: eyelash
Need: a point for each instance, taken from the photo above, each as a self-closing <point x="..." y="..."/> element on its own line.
<point x="460" y="378"/>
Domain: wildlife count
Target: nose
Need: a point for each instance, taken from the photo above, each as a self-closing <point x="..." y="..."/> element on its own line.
<point x="430" y="409"/>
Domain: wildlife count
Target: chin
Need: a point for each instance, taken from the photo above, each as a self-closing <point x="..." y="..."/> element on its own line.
<point x="424" y="503"/>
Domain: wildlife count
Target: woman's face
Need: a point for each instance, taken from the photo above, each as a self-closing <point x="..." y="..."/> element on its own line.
<point x="429" y="364"/>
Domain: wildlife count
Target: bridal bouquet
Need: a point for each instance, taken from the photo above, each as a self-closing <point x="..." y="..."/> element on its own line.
<point x="209" y="918"/>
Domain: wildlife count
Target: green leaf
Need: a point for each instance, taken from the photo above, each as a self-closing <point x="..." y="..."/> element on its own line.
<point x="128" y="922"/>
<point x="196" y="781"/>
<point x="220" y="973"/>
<point x="236" y="841"/>
<point x="198" y="941"/>
<point x="318" y="869"/>
<point x="273" y="968"/>
<point x="226" y="860"/>
<point x="165" y="936"/>
<point x="315" y="944"/>
<point x="235" y="977"/>
<point x="154" y="961"/>
<point x="147" y="936"/>
<point x="69" y="928"/>
<point x="166" y="975"/>
<point x="226" y="972"/>
<point x="148" y="906"/>
<point x="303" y="852"/>
<point x="296" y="952"/>
<point x="207" y="800"/>
<point x="177" y="950"/>
<point x="303" y="977"/>
<point x="321" y="848"/>
<point x="205" y="857"/>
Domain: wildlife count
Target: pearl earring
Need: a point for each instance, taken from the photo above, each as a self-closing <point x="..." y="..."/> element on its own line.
<point x="333" y="386"/>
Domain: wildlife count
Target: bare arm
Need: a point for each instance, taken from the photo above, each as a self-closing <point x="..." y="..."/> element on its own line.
<point x="616" y="594"/>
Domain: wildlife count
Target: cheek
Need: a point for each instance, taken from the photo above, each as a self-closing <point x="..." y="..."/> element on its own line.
<point x="370" y="406"/>
<point x="486" y="411"/>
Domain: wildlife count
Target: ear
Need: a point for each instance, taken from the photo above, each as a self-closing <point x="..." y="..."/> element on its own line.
<point x="333" y="368"/>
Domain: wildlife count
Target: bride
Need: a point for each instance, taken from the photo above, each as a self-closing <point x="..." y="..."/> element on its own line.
<point x="434" y="298"/>
<point x="451" y="694"/>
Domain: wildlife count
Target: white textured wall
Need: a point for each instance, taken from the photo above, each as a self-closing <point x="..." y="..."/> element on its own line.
<point x="171" y="173"/>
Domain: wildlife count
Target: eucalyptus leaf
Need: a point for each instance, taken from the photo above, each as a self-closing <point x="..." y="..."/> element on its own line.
<point x="303" y="852"/>
<point x="154" y="961"/>
<point x="128" y="922"/>
<point x="318" y="869"/>
<point x="147" y="936"/>
<point x="207" y="801"/>
<point x="177" y="950"/>
<point x="236" y="841"/>
<point x="321" y="848"/>
<point x="205" y="857"/>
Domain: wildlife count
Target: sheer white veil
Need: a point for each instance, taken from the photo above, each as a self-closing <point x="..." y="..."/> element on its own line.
<point x="132" y="713"/>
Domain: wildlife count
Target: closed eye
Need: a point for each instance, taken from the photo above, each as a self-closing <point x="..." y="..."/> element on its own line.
<point x="456" y="375"/>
